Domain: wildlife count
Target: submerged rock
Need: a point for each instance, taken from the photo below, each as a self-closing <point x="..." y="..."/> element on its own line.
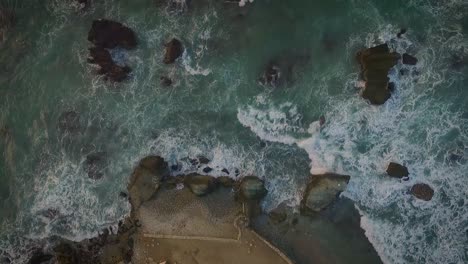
<point x="146" y="179"/>
<point x="200" y="184"/>
<point x="375" y="64"/>
<point x="402" y="31"/>
<point x="7" y="19"/>
<point x="252" y="188"/>
<point x="281" y="70"/>
<point x="165" y="81"/>
<point x="95" y="164"/>
<point x="173" y="50"/>
<point x="40" y="257"/>
<point x="396" y="170"/>
<point x="271" y="76"/>
<point x="111" y="34"/>
<point x="322" y="190"/>
<point x="69" y="121"/>
<point x="422" y="191"/>
<point x="409" y="60"/>
<point x="112" y="71"/>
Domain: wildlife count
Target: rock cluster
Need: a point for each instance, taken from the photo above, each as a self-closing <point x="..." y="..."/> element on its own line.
<point x="107" y="34"/>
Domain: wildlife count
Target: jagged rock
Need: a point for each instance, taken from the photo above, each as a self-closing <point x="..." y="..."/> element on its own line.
<point x="225" y="181"/>
<point x="174" y="49"/>
<point x="203" y="160"/>
<point x="252" y="188"/>
<point x="95" y="164"/>
<point x="146" y="179"/>
<point x="207" y="169"/>
<point x="375" y="64"/>
<point x="225" y="171"/>
<point x="200" y="184"/>
<point x="396" y="170"/>
<point x="422" y="191"/>
<point x="112" y="71"/>
<point x="322" y="190"/>
<point x="69" y="121"/>
<point x="111" y="34"/>
<point x="409" y="60"/>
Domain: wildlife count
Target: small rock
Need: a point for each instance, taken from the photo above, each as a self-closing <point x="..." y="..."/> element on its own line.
<point x="203" y="160"/>
<point x="402" y="31"/>
<point x="225" y="171"/>
<point x="322" y="190"/>
<point x="236" y="172"/>
<point x="112" y="71"/>
<point x="422" y="191"/>
<point x="207" y="169"/>
<point x="322" y="120"/>
<point x="174" y="49"/>
<point x="271" y="76"/>
<point x="277" y="217"/>
<point x="111" y="34"/>
<point x="409" y="60"/>
<point x="95" y="164"/>
<point x="396" y="170"/>
<point x="165" y="81"/>
<point x="252" y="188"/>
<point x="123" y="194"/>
<point x="200" y="184"/>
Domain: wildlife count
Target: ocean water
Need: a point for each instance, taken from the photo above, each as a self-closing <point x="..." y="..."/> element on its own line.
<point x="217" y="108"/>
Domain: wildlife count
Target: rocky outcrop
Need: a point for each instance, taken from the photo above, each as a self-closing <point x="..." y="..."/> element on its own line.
<point x="280" y="71"/>
<point x="397" y="171"/>
<point x="251" y="188"/>
<point x="106" y="34"/>
<point x="200" y="185"/>
<point x="95" y="164"/>
<point x="165" y="81"/>
<point x="422" y="191"/>
<point x="322" y="190"/>
<point x="409" y="60"/>
<point x="375" y="63"/>
<point x="146" y="180"/>
<point x="173" y="50"/>
<point x="110" y="34"/>
<point x="108" y="68"/>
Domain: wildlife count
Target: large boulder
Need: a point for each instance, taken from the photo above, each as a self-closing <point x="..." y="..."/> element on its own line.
<point x="252" y="188"/>
<point x="397" y="171"/>
<point x="322" y="190"/>
<point x="200" y="184"/>
<point x="146" y="179"/>
<point x="111" y="34"/>
<point x="108" y="68"/>
<point x="375" y="64"/>
<point x="422" y="191"/>
<point x="173" y="50"/>
<point x="409" y="60"/>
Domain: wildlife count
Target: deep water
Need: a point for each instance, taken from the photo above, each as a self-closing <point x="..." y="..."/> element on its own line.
<point x="217" y="108"/>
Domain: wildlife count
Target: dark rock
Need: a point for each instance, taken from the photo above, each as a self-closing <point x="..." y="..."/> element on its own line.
<point x="108" y="67"/>
<point x="225" y="181"/>
<point x="165" y="81"/>
<point x="402" y="31"/>
<point x="277" y="217"/>
<point x="83" y="4"/>
<point x="111" y="34"/>
<point x="422" y="191"/>
<point x="94" y="165"/>
<point x="458" y="62"/>
<point x="69" y="122"/>
<point x="203" y="160"/>
<point x="252" y="188"/>
<point x="375" y="64"/>
<point x="391" y="86"/>
<point x="146" y="179"/>
<point x="396" y="170"/>
<point x="271" y="76"/>
<point x="207" y="169"/>
<point x="174" y="49"/>
<point x="176" y="167"/>
<point x="123" y="194"/>
<point x="322" y="190"/>
<point x="409" y="60"/>
<point x="322" y="120"/>
<point x="225" y="171"/>
<point x="40" y="257"/>
<point x="200" y="184"/>
<point x="236" y="172"/>
<point x="7" y="20"/>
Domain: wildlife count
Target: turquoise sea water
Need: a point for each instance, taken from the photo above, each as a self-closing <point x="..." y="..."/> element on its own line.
<point x="217" y="108"/>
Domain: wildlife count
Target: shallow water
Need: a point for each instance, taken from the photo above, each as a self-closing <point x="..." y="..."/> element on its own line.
<point x="217" y="108"/>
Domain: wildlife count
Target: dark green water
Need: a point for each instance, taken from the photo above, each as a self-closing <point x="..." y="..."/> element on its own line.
<point x="216" y="108"/>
